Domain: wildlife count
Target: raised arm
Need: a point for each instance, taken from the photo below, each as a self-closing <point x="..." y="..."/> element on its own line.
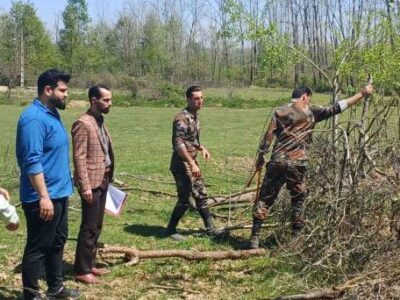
<point x="365" y="92"/>
<point x="322" y="113"/>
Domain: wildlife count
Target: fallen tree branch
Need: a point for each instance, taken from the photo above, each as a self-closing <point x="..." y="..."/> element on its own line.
<point x="176" y="288"/>
<point x="233" y="227"/>
<point x="133" y="255"/>
<point x="154" y="192"/>
<point x="215" y="215"/>
<point x="321" y="294"/>
<point x="144" y="178"/>
<point x="243" y="226"/>
<point x="245" y="196"/>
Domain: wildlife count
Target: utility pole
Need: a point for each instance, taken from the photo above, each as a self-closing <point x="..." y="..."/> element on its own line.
<point x="22" y="62"/>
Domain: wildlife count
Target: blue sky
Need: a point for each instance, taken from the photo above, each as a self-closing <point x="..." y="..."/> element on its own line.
<point x="47" y="10"/>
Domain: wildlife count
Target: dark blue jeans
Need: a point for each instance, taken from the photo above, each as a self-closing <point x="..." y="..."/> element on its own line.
<point x="44" y="245"/>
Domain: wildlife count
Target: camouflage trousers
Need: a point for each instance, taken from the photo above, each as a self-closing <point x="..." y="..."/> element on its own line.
<point x="191" y="191"/>
<point x="277" y="174"/>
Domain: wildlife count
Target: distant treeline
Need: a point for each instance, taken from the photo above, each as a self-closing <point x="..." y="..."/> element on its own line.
<point x="171" y="44"/>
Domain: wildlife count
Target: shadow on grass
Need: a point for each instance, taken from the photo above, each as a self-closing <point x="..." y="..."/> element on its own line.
<point x="237" y="243"/>
<point x="146" y="230"/>
<point x="159" y="231"/>
<point x="68" y="270"/>
<point x="13" y="292"/>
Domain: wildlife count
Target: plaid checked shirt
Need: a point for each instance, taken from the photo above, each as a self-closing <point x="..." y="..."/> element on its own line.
<point x="89" y="153"/>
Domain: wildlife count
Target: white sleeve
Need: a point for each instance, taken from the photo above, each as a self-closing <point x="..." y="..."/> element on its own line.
<point x="7" y="212"/>
<point x="343" y="105"/>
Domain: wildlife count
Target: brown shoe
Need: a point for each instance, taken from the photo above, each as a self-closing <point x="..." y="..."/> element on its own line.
<point x="99" y="271"/>
<point x="87" y="278"/>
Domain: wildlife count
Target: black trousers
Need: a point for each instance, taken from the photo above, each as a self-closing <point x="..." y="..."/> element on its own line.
<point x="92" y="223"/>
<point x="44" y="245"/>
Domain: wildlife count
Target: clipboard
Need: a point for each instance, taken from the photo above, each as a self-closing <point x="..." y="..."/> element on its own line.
<point x="115" y="201"/>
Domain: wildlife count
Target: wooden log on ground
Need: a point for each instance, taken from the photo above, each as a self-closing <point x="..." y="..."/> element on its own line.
<point x="154" y="192"/>
<point x="246" y="196"/>
<point x="133" y="255"/>
<point x="231" y="228"/>
<point x="243" y="226"/>
<point x="321" y="294"/>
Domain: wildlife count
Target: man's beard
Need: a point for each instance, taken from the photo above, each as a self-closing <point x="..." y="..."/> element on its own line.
<point x="58" y="103"/>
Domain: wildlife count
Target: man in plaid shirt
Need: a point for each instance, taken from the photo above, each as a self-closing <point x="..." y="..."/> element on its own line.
<point x="93" y="158"/>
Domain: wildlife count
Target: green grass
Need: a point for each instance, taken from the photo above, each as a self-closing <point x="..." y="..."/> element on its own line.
<point x="142" y="145"/>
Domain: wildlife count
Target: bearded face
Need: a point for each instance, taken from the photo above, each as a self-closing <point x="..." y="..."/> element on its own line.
<point x="58" y="97"/>
<point x="57" y="102"/>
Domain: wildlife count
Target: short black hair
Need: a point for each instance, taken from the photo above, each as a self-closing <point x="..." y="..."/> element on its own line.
<point x="94" y="91"/>
<point x="300" y="91"/>
<point x="192" y="89"/>
<point x="51" y="78"/>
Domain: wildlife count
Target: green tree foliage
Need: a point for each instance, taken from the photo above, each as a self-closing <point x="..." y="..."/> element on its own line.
<point x="73" y="38"/>
<point x="154" y="59"/>
<point x="23" y="33"/>
<point x="323" y="44"/>
<point x="125" y="38"/>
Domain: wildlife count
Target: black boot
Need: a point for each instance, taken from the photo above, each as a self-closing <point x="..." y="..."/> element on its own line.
<point x="208" y="223"/>
<point x="297" y="221"/>
<point x="211" y="230"/>
<point x="177" y="213"/>
<point x="297" y="228"/>
<point x="255" y="233"/>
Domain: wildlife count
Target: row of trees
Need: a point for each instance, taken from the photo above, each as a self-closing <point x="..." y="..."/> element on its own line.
<point x="214" y="42"/>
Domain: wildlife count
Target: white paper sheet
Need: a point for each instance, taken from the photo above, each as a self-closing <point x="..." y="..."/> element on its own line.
<point x="115" y="200"/>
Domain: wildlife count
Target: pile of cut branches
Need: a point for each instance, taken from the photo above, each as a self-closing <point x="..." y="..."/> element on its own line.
<point x="353" y="208"/>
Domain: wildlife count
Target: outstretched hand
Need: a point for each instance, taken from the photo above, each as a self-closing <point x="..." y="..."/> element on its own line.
<point x="368" y="90"/>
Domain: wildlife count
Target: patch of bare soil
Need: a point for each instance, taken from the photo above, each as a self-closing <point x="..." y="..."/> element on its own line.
<point x="78" y="104"/>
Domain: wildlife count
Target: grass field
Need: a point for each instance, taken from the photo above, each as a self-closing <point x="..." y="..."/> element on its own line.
<point x="142" y="144"/>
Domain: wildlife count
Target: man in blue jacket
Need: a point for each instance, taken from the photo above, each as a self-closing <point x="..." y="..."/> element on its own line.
<point x="42" y="154"/>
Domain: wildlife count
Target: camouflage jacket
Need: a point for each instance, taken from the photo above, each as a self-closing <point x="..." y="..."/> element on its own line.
<point x="185" y="132"/>
<point x="293" y="130"/>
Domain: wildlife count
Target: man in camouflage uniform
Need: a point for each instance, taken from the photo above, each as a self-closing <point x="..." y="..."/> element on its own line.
<point x="184" y="167"/>
<point x="292" y="126"/>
